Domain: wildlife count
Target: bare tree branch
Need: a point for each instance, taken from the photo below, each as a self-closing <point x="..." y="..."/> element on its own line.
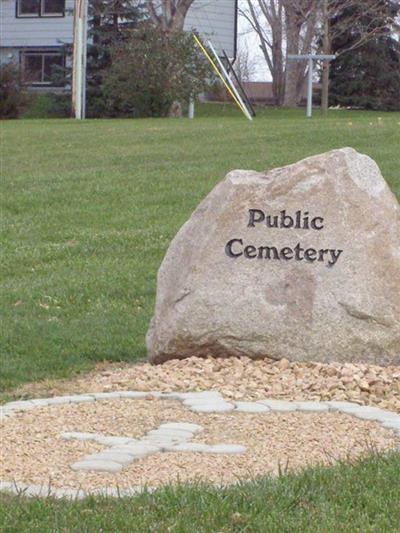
<point x="152" y="12"/>
<point x="168" y="15"/>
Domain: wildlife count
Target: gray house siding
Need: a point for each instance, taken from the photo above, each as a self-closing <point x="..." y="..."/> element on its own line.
<point x="34" y="31"/>
<point x="213" y="19"/>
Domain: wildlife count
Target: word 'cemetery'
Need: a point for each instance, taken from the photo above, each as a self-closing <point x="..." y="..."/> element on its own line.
<point x="237" y="247"/>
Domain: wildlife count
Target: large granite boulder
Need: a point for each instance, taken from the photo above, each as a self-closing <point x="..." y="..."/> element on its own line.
<point x="301" y="262"/>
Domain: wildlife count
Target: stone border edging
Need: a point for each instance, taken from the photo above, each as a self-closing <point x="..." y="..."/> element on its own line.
<point x="200" y="402"/>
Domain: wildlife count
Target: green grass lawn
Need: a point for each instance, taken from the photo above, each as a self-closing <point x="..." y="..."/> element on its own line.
<point x="362" y="498"/>
<point x="90" y="208"/>
<point x="88" y="212"/>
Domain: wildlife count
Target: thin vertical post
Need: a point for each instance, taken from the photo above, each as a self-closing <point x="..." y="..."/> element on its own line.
<point x="311" y="58"/>
<point x="79" y="59"/>
<point x="191" y="108"/>
<point x="310" y="87"/>
<point x="84" y="56"/>
<point x="75" y="63"/>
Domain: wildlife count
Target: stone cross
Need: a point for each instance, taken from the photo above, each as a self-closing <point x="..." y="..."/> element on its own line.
<point x="169" y="437"/>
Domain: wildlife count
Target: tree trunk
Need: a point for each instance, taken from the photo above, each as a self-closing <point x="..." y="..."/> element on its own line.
<point x="291" y="75"/>
<point x="327" y="49"/>
<point x="290" y="98"/>
<point x="325" y="88"/>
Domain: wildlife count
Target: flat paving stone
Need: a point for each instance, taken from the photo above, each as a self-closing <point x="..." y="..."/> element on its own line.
<point x="194" y="447"/>
<point x="160" y="438"/>
<point x="106" y="395"/>
<point x="137" y="455"/>
<point x="336" y="405"/>
<point x="312" y="406"/>
<point x="81" y="399"/>
<point x="76" y="398"/>
<point x="200" y="401"/>
<point x="219" y="407"/>
<point x="388" y="416"/>
<point x="251" y="407"/>
<point x="392" y="425"/>
<point x="20" y="405"/>
<point x="174" y="395"/>
<point x="109" y="455"/>
<point x="44" y="491"/>
<point x="68" y="494"/>
<point x="162" y="442"/>
<point x="227" y="448"/>
<point x="107" y="492"/>
<point x="113" y="441"/>
<point x="4" y="412"/>
<point x="97" y="466"/>
<point x="133" y="394"/>
<point x="144" y="448"/>
<point x="182" y="425"/>
<point x="7" y="485"/>
<point x="369" y="413"/>
<point x="75" y="435"/>
<point x="40" y="402"/>
<point x="214" y="395"/>
<point x="175" y="433"/>
<point x="165" y="439"/>
<point x="58" y="400"/>
<point x="34" y="490"/>
<point x="279" y="405"/>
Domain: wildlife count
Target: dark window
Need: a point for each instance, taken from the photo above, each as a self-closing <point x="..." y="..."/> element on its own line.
<point x="32" y="68"/>
<point x="40" y="8"/>
<point x="50" y="64"/>
<point x="28" y="8"/>
<point x="38" y="67"/>
<point x="52" y="7"/>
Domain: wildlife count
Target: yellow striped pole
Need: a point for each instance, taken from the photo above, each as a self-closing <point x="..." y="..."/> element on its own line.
<point x="199" y="43"/>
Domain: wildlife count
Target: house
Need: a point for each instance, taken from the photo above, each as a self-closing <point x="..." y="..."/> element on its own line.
<point x="33" y="33"/>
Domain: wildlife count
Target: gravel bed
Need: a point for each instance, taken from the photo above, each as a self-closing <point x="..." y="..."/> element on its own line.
<point x="240" y="379"/>
<point x="35" y="452"/>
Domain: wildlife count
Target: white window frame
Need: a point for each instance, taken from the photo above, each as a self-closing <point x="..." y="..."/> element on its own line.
<point x="43" y="54"/>
<point x="40" y="13"/>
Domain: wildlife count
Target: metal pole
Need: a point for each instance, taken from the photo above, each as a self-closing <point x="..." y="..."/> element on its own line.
<point x="85" y="8"/>
<point x="221" y="77"/>
<point x="75" y="62"/>
<point x="310" y="57"/>
<point x="78" y="110"/>
<point x="310" y="87"/>
<point x="191" y="108"/>
<point x="79" y="59"/>
<point x="245" y="97"/>
<point x="223" y="69"/>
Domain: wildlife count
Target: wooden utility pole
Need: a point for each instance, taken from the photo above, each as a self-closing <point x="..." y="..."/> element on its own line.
<point x="79" y="59"/>
<point x="326" y="49"/>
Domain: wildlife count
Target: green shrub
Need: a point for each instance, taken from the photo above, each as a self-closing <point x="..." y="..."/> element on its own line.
<point x="49" y="105"/>
<point x="150" y="71"/>
<point x="12" y="97"/>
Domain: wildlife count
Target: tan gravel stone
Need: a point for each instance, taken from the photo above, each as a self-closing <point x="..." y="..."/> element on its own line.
<point x="34" y="452"/>
<point x="237" y="379"/>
